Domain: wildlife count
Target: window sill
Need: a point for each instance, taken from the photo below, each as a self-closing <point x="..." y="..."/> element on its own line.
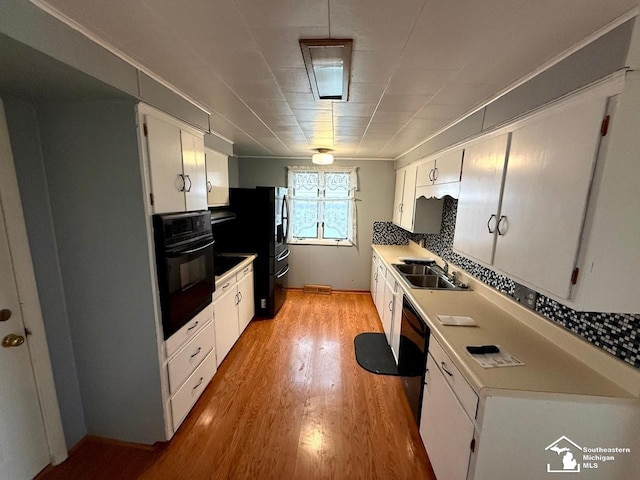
<point x="312" y="241"/>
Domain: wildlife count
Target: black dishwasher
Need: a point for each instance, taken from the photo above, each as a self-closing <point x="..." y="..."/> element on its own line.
<point x="412" y="355"/>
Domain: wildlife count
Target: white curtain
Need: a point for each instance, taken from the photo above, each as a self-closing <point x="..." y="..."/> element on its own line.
<point x="323" y="194"/>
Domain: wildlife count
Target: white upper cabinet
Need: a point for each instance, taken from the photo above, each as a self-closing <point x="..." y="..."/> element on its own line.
<point x="176" y="166"/>
<point x="478" y="205"/>
<point x="442" y="169"/>
<point x="523" y="195"/>
<point x="397" y="199"/>
<point x="550" y="166"/>
<point x="408" y="197"/>
<point x="217" y="178"/>
<point x="165" y="165"/>
<point x="194" y="171"/>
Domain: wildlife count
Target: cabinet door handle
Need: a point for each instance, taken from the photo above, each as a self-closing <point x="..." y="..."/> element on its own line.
<point x="391" y="306"/>
<point x="209" y="186"/>
<point x="502" y="232"/>
<point x="237" y="300"/>
<point x="239" y="297"/>
<point x="193" y="326"/>
<point x="431" y="175"/>
<point x="190" y="184"/>
<point x="492" y="217"/>
<point x="197" y="352"/>
<point x="402" y="207"/>
<point x="184" y="182"/>
<point x="375" y="277"/>
<point x="399" y="207"/>
<point x="444" y="369"/>
<point x="435" y="174"/>
<point x="199" y="383"/>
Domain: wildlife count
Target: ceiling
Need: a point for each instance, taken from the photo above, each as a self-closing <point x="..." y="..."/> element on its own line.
<point x="417" y="65"/>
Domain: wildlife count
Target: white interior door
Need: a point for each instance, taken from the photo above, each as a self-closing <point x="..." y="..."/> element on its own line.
<point x="165" y="166"/>
<point x="551" y="162"/>
<point x="23" y="445"/>
<point x="479" y="198"/>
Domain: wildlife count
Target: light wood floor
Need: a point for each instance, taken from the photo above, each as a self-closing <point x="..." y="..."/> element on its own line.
<point x="289" y="402"/>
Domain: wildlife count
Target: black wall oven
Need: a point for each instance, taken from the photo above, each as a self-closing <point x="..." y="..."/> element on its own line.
<point x="184" y="260"/>
<point x="412" y="356"/>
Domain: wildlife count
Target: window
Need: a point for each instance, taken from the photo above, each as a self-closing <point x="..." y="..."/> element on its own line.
<point x="322" y="205"/>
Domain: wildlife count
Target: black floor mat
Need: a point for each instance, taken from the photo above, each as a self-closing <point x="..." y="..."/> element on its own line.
<point x="374" y="354"/>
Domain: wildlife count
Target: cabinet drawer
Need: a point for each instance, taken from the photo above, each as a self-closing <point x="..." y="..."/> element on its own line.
<point x="186" y="360"/>
<point x="244" y="272"/>
<point x="454" y="378"/>
<point x="189" y="393"/>
<point x="188" y="331"/>
<point x="224" y="287"/>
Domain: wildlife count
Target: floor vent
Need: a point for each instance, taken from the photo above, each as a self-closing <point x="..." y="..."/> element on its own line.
<point x="321" y="289"/>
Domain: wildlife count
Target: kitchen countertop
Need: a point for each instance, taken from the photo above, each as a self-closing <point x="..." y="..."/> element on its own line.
<point x="250" y="257"/>
<point x="548" y="366"/>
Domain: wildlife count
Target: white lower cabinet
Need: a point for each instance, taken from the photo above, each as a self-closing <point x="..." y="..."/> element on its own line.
<point x="234" y="308"/>
<point x="189" y="366"/>
<point x="191" y="390"/>
<point x="246" y="305"/>
<point x="379" y="297"/>
<point x="387" y="311"/>
<point x="397" y="320"/>
<point x="226" y="321"/>
<point x="445" y="428"/>
<point x="186" y="360"/>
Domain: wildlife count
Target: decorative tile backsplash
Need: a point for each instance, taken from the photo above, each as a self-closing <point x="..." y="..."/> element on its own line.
<point x="618" y="334"/>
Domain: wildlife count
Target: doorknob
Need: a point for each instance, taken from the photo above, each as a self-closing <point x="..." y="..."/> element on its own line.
<point x="12" y="340"/>
<point x="5" y="314"/>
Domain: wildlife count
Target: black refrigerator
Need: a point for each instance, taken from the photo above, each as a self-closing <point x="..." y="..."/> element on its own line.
<point x="261" y="226"/>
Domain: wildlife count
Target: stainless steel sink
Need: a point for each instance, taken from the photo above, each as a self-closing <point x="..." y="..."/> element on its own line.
<point x="414" y="269"/>
<point x="429" y="281"/>
<point x="427" y="277"/>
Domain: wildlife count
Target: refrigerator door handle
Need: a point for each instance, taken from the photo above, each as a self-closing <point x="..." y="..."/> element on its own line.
<point x="283" y="255"/>
<point x="285" y="207"/>
<point x="283" y="273"/>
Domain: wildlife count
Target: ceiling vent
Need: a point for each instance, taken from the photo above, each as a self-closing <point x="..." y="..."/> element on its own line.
<point x="328" y="65"/>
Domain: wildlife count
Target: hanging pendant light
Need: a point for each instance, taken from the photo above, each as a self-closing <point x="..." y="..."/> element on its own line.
<point x="323" y="157"/>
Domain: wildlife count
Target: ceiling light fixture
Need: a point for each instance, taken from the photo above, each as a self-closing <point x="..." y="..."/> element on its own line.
<point x="323" y="157"/>
<point x="328" y="63"/>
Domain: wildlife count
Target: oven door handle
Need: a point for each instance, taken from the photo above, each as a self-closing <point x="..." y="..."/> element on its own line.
<point x="280" y="275"/>
<point x="179" y="253"/>
<point x="283" y="255"/>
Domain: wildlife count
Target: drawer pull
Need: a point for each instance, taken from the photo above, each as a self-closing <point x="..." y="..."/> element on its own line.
<point x="444" y="368"/>
<point x="193" y="326"/>
<point x="197" y="352"/>
<point x="226" y="286"/>
<point x="199" y="383"/>
<point x="245" y="270"/>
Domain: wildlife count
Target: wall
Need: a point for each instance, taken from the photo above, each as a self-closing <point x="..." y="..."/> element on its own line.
<point x="34" y="192"/>
<point x="92" y="164"/>
<point x="344" y="268"/>
<point x="618" y="334"/>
